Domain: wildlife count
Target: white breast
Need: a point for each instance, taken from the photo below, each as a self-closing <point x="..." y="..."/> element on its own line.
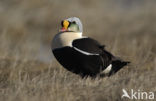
<point x="65" y="39"/>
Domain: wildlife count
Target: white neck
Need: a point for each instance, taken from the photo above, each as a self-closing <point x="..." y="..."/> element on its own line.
<point x="65" y="39"/>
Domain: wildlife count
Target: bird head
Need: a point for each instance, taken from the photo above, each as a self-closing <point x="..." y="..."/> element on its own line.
<point x="71" y="24"/>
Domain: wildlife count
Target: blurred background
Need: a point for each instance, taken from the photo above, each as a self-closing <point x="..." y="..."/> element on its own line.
<point x="28" y="26"/>
<point x="29" y="72"/>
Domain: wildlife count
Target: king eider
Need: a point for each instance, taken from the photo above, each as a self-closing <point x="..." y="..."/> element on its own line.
<point x="83" y="55"/>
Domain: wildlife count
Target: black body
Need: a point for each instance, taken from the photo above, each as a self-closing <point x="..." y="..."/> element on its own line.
<point x="87" y="65"/>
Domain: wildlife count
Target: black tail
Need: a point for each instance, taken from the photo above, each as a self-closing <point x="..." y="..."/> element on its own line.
<point x="117" y="65"/>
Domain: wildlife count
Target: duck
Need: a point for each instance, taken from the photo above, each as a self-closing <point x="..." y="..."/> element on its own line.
<point x="83" y="55"/>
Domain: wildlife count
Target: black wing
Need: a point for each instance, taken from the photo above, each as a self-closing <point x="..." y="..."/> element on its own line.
<point x="92" y="46"/>
<point x="88" y="45"/>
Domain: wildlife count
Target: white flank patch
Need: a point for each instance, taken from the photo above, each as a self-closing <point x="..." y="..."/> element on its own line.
<point x="84" y="52"/>
<point x="108" y="69"/>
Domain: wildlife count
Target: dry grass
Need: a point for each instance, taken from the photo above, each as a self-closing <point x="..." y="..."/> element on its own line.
<point x="28" y="71"/>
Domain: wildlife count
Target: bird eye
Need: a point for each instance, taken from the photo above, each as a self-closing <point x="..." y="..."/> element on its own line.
<point x="74" y="22"/>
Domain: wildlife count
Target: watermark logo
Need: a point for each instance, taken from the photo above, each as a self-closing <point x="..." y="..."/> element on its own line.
<point x="132" y="94"/>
